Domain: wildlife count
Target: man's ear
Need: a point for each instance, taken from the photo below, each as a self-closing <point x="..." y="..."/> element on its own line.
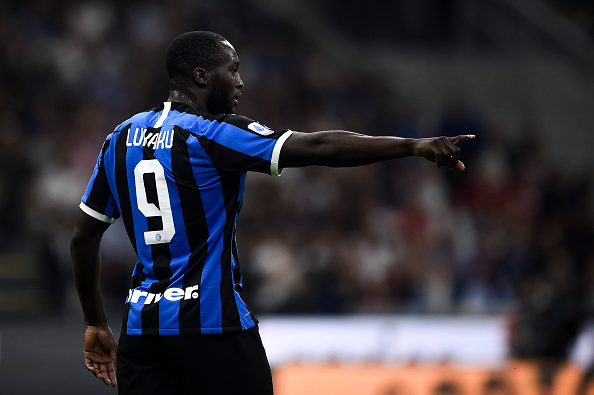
<point x="202" y="76"/>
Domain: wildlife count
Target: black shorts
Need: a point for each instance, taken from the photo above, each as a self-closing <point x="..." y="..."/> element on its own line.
<point x="229" y="363"/>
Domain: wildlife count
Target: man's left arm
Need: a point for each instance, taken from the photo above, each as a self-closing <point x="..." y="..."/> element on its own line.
<point x="340" y="148"/>
<point x="99" y="344"/>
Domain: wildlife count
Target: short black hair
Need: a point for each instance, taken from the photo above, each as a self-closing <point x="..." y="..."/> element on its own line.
<point x="191" y="50"/>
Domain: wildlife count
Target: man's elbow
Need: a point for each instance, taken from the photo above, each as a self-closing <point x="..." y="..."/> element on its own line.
<point x="88" y="231"/>
<point x="82" y="239"/>
<point x="77" y="241"/>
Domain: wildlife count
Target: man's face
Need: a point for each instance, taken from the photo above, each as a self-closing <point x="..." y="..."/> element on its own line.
<point x="226" y="83"/>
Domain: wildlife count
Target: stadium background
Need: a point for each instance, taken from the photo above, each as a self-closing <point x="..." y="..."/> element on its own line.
<point x="486" y="270"/>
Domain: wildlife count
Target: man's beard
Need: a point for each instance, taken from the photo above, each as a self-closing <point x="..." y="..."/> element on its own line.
<point x="219" y="100"/>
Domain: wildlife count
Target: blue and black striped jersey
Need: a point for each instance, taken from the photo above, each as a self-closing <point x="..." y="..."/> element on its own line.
<point x="176" y="176"/>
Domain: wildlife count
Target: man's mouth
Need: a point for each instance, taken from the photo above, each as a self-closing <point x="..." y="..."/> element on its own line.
<point x="236" y="99"/>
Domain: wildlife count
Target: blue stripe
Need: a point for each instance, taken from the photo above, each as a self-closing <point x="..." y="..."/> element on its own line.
<point x="214" y="203"/>
<point x="112" y="208"/>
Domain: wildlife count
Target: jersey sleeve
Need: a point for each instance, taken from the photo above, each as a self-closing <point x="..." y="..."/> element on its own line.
<point x="98" y="200"/>
<point x="238" y="143"/>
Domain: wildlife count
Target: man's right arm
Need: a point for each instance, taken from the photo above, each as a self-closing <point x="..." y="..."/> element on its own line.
<point x="340" y="148"/>
<point x="99" y="345"/>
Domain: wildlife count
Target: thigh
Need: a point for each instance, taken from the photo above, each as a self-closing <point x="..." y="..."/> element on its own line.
<point x="144" y="367"/>
<point x="230" y="363"/>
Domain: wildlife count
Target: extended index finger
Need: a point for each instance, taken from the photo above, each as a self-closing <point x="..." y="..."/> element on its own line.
<point x="462" y="137"/>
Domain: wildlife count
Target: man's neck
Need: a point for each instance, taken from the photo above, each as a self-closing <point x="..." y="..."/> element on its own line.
<point x="178" y="96"/>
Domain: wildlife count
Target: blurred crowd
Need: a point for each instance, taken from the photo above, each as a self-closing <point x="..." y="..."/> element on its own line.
<point x="511" y="234"/>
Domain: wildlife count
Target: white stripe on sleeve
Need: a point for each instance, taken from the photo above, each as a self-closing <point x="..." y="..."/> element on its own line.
<point x="95" y="214"/>
<point x="274" y="169"/>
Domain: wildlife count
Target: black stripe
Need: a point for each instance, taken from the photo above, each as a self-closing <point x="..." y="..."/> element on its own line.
<point x="237" y="270"/>
<point x="121" y="180"/>
<point x="195" y="226"/>
<point x="135" y="282"/>
<point x="230" y="187"/>
<point x="149" y="314"/>
<point x="227" y="158"/>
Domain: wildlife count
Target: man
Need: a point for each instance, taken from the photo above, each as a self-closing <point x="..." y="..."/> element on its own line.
<point x="176" y="174"/>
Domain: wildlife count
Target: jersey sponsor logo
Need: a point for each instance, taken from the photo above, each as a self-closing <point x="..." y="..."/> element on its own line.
<point x="163" y="139"/>
<point x="170" y="294"/>
<point x="260" y="129"/>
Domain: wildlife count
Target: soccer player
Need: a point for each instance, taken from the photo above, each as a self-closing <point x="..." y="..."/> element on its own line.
<point x="176" y="174"/>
